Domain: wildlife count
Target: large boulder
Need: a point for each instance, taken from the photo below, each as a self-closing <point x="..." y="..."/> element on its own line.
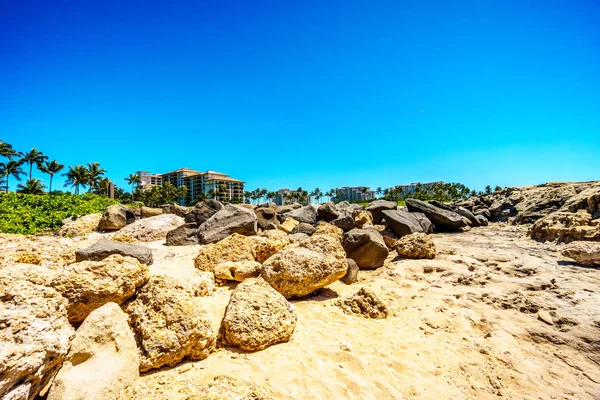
<point x="104" y="248"/>
<point x="227" y="221"/>
<point x="468" y="215"/>
<point x="80" y="226"/>
<point x="35" y="335"/>
<point x="565" y="227"/>
<point x="401" y="222"/>
<point x="366" y="247"/>
<point x="443" y="219"/>
<point x="585" y="253"/>
<point x="325" y="228"/>
<point x="233" y="248"/>
<point x="202" y="212"/>
<point x="102" y="361"/>
<point x="344" y="222"/>
<point x="88" y="285"/>
<point x="305" y="228"/>
<point x="425" y="223"/>
<point x="300" y="269"/>
<point x="306" y="214"/>
<point x="416" y="245"/>
<point x="183" y="235"/>
<point x="152" y="228"/>
<point x="378" y="206"/>
<point x="257" y="317"/>
<point x="175" y="209"/>
<point x="266" y="216"/>
<point x="116" y="217"/>
<point x="170" y="323"/>
<point x="328" y="212"/>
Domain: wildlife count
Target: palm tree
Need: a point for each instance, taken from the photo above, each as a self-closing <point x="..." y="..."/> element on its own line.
<point x="33" y="157"/>
<point x="6" y="150"/>
<point x="379" y="191"/>
<point x="11" y="168"/>
<point x="32" y="186"/>
<point x="77" y="176"/>
<point x="51" y="168"/>
<point x="134" y="179"/>
<point x="95" y="174"/>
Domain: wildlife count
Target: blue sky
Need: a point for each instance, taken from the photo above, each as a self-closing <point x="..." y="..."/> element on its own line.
<point x="308" y="93"/>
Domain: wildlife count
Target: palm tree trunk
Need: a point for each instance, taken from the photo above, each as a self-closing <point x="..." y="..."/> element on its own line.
<point x="30" y="170"/>
<point x="51" y="176"/>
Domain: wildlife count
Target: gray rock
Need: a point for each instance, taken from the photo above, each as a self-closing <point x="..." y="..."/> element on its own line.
<point x="104" y="248"/>
<point x="482" y="220"/>
<point x="401" y="222"/>
<point x="468" y="215"/>
<point x="443" y="219"/>
<point x="328" y="212"/>
<point x="297" y="237"/>
<point x="183" y="235"/>
<point x="116" y="217"/>
<point x="228" y="220"/>
<point x="305" y="228"/>
<point x="441" y="205"/>
<point x="203" y="211"/>
<point x="376" y="207"/>
<point x="366" y="247"/>
<point x="426" y="224"/>
<point x="345" y="222"/>
<point x="306" y="214"/>
<point x="267" y="216"/>
<point x="483" y="211"/>
<point x="175" y="209"/>
<point x="352" y="273"/>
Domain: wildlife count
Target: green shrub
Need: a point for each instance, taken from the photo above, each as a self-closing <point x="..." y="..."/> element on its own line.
<point x="32" y="214"/>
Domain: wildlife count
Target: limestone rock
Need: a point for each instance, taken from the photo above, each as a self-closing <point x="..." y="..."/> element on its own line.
<point x="35" y="335"/>
<point x="116" y="217"/>
<point x="300" y="269"/>
<point x="266" y="248"/>
<point x="306" y="214"/>
<point x="443" y="219"/>
<point x="305" y="228"/>
<point x="585" y="253"/>
<point x="169" y="323"/>
<point x="183" y="235"/>
<point x="80" y="226"/>
<point x="565" y="227"/>
<point x="416" y="245"/>
<point x="352" y="272"/>
<point x="288" y="225"/>
<point x="257" y="317"/>
<point x="227" y="221"/>
<point x="152" y="228"/>
<point x="102" y="361"/>
<point x="104" y="248"/>
<point x="364" y="303"/>
<point x="267" y="216"/>
<point x="328" y="212"/>
<point x="545" y="316"/>
<point x="366" y="247"/>
<point x="362" y="218"/>
<point x="272" y="233"/>
<point x="324" y="228"/>
<point x="378" y="206"/>
<point x="237" y="270"/>
<point x="233" y="248"/>
<point x="89" y="285"/>
<point x="297" y="237"/>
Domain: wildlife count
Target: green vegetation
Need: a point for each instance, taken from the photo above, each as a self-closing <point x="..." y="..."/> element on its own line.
<point x="33" y="214"/>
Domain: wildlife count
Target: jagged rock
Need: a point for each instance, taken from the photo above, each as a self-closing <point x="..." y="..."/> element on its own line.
<point x="237" y="270"/>
<point x="585" y="253"/>
<point x="288" y="225"/>
<point x="441" y="205"/>
<point x="104" y="248"/>
<point x="468" y="215"/>
<point x="306" y="214"/>
<point x="266" y="248"/>
<point x="364" y="303"/>
<point x="378" y="206"/>
<point x="257" y="317"/>
<point x="366" y="247"/>
<point x="147" y="212"/>
<point x="390" y="239"/>
<point x="565" y="227"/>
<point x="35" y="335"/>
<point x="481" y="219"/>
<point x="186" y="234"/>
<point x="102" y="361"/>
<point x="362" y="218"/>
<point x="175" y="209"/>
<point x="401" y="222"/>
<point x="202" y="212"/>
<point x="425" y="223"/>
<point x="169" y="323"/>
<point x="152" y="228"/>
<point x="483" y="211"/>
<point x="88" y="285"/>
<point x="300" y="269"/>
<point x="116" y="217"/>
<point x="228" y="220"/>
<point x="345" y="222"/>
<point x="443" y="219"/>
<point x="351" y="273"/>
<point x="327" y="212"/>
<point x="80" y="226"/>
<point x="325" y="228"/>
<point x="305" y="228"/>
<point x="588" y="199"/>
<point x="348" y="208"/>
<point x="267" y="217"/>
<point x="416" y="245"/>
<point x="233" y="248"/>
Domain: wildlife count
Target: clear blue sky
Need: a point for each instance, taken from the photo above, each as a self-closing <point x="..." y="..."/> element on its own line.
<point x="308" y="93"/>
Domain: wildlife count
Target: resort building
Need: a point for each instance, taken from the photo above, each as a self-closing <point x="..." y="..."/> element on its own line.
<point x="411" y="187"/>
<point x="287" y="196"/>
<point x="354" y="193"/>
<point x="200" y="185"/>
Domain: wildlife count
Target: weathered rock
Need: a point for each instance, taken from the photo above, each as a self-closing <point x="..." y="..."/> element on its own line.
<point x="104" y="248"/>
<point x="237" y="270"/>
<point x="366" y="247"/>
<point x="364" y="303"/>
<point x="362" y="218"/>
<point x="324" y="228"/>
<point x="147" y="212"/>
<point x="327" y="212"/>
<point x="300" y="269"/>
<point x="425" y="223"/>
<point x="152" y="228"/>
<point x="481" y="219"/>
<point x="401" y="222"/>
<point x="345" y="222"/>
<point x="348" y="208"/>
<point x="585" y="253"/>
<point x="297" y="237"/>
<point x="545" y="316"/>
<point x="186" y="234"/>
<point x="378" y="206"/>
<point x="483" y="211"/>
<point x="88" y="285"/>
<point x="272" y="233"/>
<point x="352" y="272"/>
<point x="468" y="215"/>
<point x="116" y="217"/>
<point x="443" y="219"/>
<point x="80" y="226"/>
<point x="35" y="335"/>
<point x="175" y="209"/>
<point x="306" y="214"/>
<point x="202" y="212"/>
<point x="233" y="248"/>
<point x="257" y="317"/>
<point x="390" y="239"/>
<point x="565" y="227"/>
<point x="288" y="225"/>
<point x="266" y="248"/>
<point x="305" y="228"/>
<point x="102" y="361"/>
<point x="267" y="217"/>
<point x="416" y="245"/>
<point x="286" y="209"/>
<point x="169" y="323"/>
<point x="228" y="220"/>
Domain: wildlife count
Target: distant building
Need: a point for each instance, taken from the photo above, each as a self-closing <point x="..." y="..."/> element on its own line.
<point x="354" y="193"/>
<point x="286" y="196"/>
<point x="209" y="184"/>
<point x="411" y="187"/>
